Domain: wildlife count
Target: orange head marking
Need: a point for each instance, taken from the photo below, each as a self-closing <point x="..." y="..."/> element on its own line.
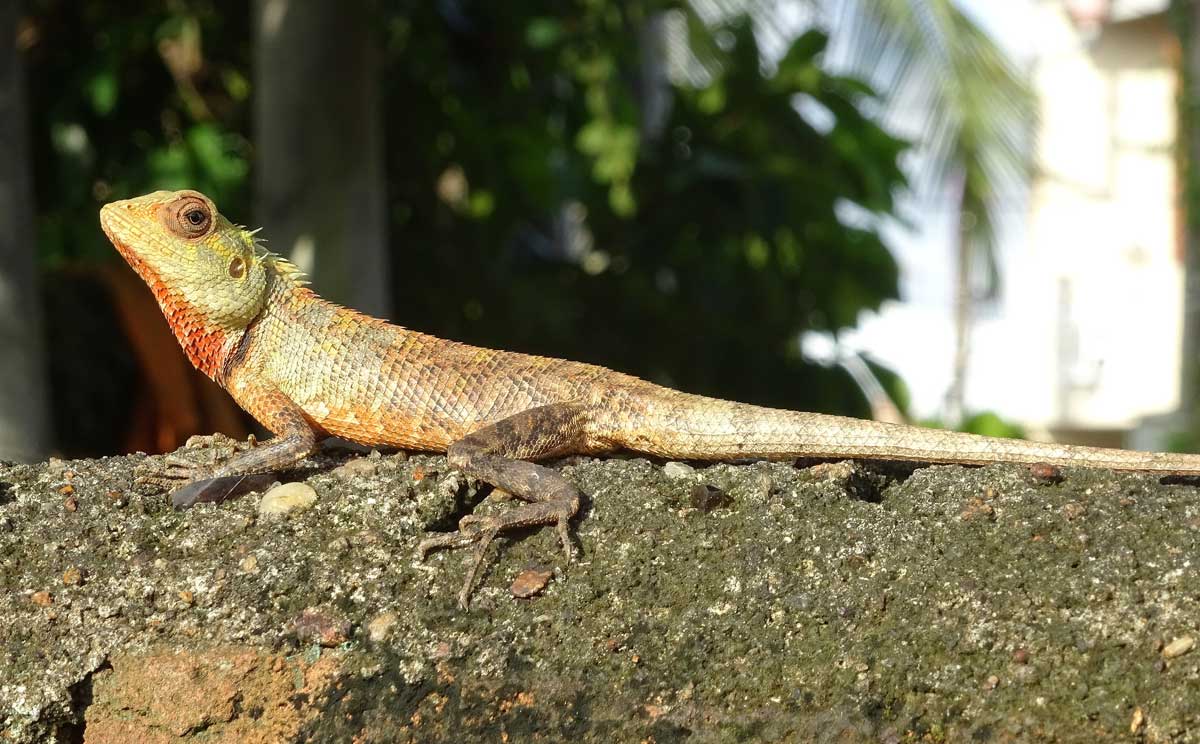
<point x="206" y="273"/>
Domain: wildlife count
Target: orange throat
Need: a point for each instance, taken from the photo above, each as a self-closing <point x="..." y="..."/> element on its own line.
<point x="205" y="345"/>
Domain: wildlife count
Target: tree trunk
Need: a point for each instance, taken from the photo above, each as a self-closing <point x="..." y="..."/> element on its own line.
<point x="1187" y="16"/>
<point x="964" y="312"/>
<point x="318" y="136"/>
<point x="24" y="413"/>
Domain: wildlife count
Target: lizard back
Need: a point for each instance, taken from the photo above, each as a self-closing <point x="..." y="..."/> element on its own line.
<point x="368" y="381"/>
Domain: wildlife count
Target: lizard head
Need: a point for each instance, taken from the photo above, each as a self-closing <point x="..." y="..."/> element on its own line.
<point x="208" y="275"/>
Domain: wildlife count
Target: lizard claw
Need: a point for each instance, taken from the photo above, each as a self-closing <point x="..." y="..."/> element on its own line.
<point x="205" y="490"/>
<point x="170" y="474"/>
<point x="480" y="531"/>
<point x="190" y="473"/>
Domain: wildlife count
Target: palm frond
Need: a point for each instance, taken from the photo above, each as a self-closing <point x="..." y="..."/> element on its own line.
<point x="979" y="112"/>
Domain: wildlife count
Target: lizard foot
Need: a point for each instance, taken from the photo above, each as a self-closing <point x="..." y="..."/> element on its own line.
<point x="220" y="442"/>
<point x="494" y="455"/>
<point x="480" y="531"/>
<point x="191" y="476"/>
<point x="171" y="473"/>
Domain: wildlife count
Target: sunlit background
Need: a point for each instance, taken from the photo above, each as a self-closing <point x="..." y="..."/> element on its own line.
<point x="965" y="213"/>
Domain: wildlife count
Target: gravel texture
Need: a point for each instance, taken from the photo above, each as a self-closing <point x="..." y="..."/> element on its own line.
<point x="708" y="603"/>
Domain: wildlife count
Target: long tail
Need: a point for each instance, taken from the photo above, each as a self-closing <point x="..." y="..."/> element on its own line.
<point x="668" y="423"/>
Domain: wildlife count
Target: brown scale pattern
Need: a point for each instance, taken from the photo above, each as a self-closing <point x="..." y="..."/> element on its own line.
<point x="300" y="362"/>
<point x="365" y="380"/>
<point x="371" y="382"/>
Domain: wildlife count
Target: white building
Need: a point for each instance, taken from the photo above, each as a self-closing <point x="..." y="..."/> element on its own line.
<point x="1084" y="344"/>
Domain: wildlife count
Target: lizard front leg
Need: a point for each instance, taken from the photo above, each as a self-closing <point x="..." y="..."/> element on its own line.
<point x="496" y="454"/>
<point x="294" y="440"/>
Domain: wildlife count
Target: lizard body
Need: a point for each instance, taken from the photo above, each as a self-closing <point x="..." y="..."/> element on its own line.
<point x="306" y="368"/>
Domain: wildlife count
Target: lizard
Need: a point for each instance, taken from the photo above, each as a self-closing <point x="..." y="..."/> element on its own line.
<point x="308" y="369"/>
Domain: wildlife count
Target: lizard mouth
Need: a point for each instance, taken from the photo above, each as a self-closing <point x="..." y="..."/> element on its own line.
<point x="135" y="261"/>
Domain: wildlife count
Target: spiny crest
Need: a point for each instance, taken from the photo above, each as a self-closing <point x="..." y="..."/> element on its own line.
<point x="283" y="267"/>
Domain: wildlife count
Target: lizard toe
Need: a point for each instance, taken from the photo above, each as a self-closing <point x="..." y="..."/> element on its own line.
<point x="214" y="490"/>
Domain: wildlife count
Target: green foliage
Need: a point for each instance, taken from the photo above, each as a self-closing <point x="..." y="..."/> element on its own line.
<point x="126" y="98"/>
<point x="692" y="253"/>
<point x="986" y="423"/>
<point x="535" y="201"/>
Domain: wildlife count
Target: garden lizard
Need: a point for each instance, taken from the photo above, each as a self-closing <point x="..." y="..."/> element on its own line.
<point x="307" y="368"/>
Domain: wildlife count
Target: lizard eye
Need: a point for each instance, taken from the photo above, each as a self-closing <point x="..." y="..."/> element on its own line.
<point x="237" y="267"/>
<point x="189" y="217"/>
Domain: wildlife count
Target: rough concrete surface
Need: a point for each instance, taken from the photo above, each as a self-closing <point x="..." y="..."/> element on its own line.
<point x="707" y="603"/>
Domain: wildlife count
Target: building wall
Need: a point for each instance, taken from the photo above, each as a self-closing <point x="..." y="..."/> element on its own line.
<point x="1098" y="284"/>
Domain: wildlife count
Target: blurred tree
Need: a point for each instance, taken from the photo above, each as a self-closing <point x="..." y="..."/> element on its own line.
<point x="131" y="97"/>
<point x="979" y="119"/>
<point x="127" y="98"/>
<point x="318" y="137"/>
<point x="24" y="414"/>
<point x="541" y="214"/>
<point x="608" y="181"/>
<point x="1185" y="15"/>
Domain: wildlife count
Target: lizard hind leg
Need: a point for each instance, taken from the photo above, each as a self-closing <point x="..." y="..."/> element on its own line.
<point x="497" y="454"/>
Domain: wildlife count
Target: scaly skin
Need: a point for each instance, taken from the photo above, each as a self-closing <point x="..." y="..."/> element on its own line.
<point x="306" y="368"/>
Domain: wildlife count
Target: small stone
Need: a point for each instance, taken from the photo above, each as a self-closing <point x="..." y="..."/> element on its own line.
<point x="978" y="510"/>
<point x="67" y="490"/>
<point x="1046" y="473"/>
<point x="72" y="577"/>
<point x="70" y="503"/>
<point x="453" y="484"/>
<point x="287" y="498"/>
<point x="1074" y="510"/>
<point x="321" y="625"/>
<point x="359" y="467"/>
<point x="1021" y="656"/>
<point x="339" y="545"/>
<point x="678" y="470"/>
<point x="380" y="625"/>
<point x="187" y="597"/>
<point x="249" y="564"/>
<point x="42" y="599"/>
<point x="764" y="487"/>
<point x="530" y="582"/>
<point x="1178" y="647"/>
<point x="992" y="682"/>
<point x="833" y="472"/>
<point x="1138" y="720"/>
<point x="370" y="672"/>
<point x="707" y="498"/>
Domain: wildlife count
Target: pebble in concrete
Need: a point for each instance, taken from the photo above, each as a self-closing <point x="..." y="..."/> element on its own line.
<point x="289" y="497"/>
